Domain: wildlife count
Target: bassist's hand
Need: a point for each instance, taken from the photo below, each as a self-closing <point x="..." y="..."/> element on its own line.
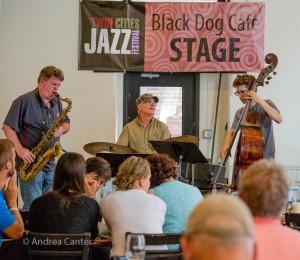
<point x="223" y="153"/>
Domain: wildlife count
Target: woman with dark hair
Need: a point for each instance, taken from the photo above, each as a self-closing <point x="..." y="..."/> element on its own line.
<point x="66" y="209"/>
<point x="180" y="197"/>
<point x="98" y="172"/>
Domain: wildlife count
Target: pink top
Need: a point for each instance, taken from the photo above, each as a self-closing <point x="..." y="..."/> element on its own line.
<point x="275" y="241"/>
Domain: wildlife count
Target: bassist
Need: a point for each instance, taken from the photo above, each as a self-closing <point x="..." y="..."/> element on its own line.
<point x="260" y="112"/>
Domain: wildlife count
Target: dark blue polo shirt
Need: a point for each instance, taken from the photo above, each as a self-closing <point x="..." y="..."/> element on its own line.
<point x="31" y="118"/>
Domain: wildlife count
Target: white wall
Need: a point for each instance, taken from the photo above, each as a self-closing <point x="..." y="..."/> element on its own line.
<point x="37" y="33"/>
<point x="282" y="38"/>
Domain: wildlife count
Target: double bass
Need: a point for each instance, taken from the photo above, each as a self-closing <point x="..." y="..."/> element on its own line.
<point x="251" y="142"/>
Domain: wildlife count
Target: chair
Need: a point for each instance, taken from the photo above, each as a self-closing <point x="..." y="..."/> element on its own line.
<point x="25" y="217"/>
<point x="292" y="220"/>
<point x="13" y="249"/>
<point x="162" y="239"/>
<point x="64" y="246"/>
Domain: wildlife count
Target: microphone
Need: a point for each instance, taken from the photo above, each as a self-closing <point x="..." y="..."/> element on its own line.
<point x="192" y="132"/>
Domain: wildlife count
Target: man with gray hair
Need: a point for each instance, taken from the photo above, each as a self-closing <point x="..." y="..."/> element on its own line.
<point x="264" y="188"/>
<point x="137" y="133"/>
<point x="220" y="227"/>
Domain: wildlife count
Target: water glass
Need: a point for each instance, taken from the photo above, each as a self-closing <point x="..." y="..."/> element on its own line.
<point x="135" y="247"/>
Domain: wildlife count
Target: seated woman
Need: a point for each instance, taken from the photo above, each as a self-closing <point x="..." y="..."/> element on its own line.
<point x="180" y="197"/>
<point x="131" y="208"/>
<point x="98" y="172"/>
<point x="66" y="209"/>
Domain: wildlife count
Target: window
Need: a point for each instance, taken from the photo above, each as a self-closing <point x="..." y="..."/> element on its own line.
<point x="178" y="106"/>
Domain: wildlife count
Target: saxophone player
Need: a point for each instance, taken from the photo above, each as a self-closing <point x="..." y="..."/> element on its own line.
<point x="28" y="121"/>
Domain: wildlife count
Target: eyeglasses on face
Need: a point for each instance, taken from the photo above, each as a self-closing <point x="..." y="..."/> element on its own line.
<point x="101" y="183"/>
<point x="150" y="102"/>
<point x="242" y="92"/>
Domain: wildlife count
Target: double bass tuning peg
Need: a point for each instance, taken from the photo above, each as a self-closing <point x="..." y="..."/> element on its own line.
<point x="269" y="77"/>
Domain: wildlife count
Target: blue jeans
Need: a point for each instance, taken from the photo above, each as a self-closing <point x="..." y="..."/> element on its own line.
<point x="35" y="188"/>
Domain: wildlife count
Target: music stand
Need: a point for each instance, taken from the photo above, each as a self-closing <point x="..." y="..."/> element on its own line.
<point x="180" y="152"/>
<point x="205" y="174"/>
<point x="116" y="159"/>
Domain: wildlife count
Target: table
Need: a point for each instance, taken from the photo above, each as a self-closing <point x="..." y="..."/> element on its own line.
<point x="101" y="242"/>
<point x="13" y="249"/>
<point x="100" y="248"/>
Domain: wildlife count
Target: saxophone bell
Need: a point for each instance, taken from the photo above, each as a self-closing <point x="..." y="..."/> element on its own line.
<point x="57" y="150"/>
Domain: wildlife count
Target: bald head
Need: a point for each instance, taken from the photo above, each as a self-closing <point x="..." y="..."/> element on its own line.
<point x="220" y="227"/>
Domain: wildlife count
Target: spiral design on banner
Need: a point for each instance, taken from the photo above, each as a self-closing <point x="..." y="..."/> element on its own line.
<point x="165" y="66"/>
<point x="250" y="59"/>
<point x="222" y="36"/>
<point x="155" y="45"/>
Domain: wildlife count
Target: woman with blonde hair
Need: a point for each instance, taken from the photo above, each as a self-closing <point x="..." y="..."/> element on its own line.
<point x="131" y="208"/>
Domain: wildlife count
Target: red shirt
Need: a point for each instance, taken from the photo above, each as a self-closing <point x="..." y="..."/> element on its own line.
<point x="275" y="241"/>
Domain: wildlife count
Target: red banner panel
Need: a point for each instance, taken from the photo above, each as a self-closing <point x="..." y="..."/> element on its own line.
<point x="192" y="37"/>
<point x="171" y="37"/>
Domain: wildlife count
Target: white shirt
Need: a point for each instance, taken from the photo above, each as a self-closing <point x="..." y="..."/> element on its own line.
<point x="132" y="211"/>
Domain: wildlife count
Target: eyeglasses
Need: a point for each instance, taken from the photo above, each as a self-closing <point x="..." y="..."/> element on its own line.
<point x="102" y="182"/>
<point x="240" y="93"/>
<point x="150" y="102"/>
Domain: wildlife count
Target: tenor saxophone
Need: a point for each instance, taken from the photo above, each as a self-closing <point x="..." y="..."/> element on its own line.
<point x="42" y="152"/>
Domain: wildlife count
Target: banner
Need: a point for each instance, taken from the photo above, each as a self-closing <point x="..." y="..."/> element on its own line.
<point x="171" y="36"/>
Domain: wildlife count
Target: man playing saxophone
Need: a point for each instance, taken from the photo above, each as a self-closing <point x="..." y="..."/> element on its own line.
<point x="30" y="119"/>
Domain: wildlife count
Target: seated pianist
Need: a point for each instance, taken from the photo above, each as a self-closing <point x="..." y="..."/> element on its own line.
<point x="137" y="133"/>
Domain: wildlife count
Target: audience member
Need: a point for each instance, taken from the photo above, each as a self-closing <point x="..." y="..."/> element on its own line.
<point x="108" y="188"/>
<point x="11" y="223"/>
<point x="66" y="209"/>
<point x="264" y="188"/>
<point x="220" y="227"/>
<point x="131" y="208"/>
<point x="98" y="172"/>
<point x="180" y="197"/>
<point x="137" y="133"/>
